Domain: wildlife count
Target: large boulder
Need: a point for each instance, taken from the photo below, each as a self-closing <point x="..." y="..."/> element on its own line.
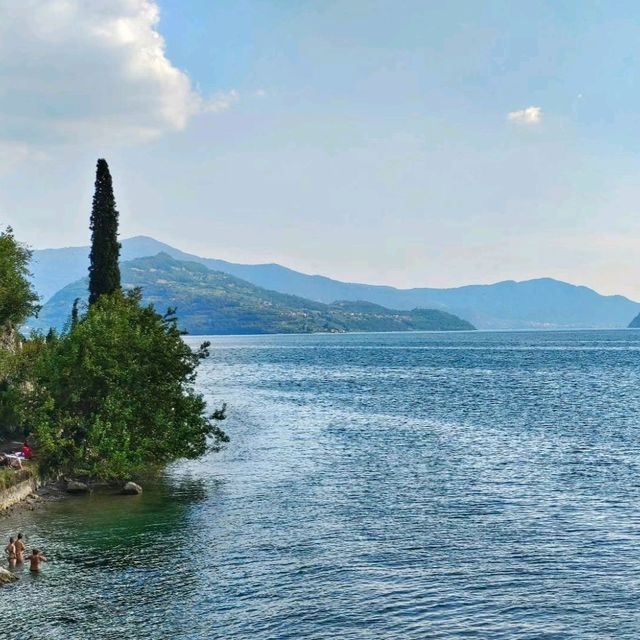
<point x="131" y="489"/>
<point x="7" y="576"/>
<point x="73" y="486"/>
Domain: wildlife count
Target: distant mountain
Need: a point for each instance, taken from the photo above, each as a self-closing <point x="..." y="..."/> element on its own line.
<point x="212" y="302"/>
<point x="635" y="323"/>
<point x="533" y="304"/>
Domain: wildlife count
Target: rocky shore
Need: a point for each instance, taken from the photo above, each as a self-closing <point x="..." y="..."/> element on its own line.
<point x="31" y="500"/>
<point x="6" y="576"/>
<point x="32" y="494"/>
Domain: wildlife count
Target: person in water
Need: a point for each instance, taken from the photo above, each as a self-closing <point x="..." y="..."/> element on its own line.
<point x="35" y="559"/>
<point x="10" y="551"/>
<point x="20" y="548"/>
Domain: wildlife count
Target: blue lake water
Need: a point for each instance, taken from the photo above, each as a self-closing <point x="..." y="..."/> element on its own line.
<point x="467" y="485"/>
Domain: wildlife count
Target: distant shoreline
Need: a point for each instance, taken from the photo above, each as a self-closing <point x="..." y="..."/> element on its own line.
<point x="429" y="332"/>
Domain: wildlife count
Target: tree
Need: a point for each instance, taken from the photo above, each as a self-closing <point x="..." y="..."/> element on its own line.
<point x="18" y="300"/>
<point x="115" y="393"/>
<point x="75" y="314"/>
<point x="104" y="271"/>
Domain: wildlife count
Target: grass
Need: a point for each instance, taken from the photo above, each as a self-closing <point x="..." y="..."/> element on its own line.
<point x="11" y="477"/>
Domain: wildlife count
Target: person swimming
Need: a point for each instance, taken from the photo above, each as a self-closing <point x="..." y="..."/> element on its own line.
<point x="35" y="559"/>
<point x="20" y="548"/>
<point x="10" y="551"/>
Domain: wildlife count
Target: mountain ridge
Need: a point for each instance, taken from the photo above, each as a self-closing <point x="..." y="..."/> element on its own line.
<point x="215" y="303"/>
<point x="540" y="303"/>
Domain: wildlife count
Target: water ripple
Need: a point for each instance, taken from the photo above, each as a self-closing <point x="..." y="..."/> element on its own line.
<point x="377" y="486"/>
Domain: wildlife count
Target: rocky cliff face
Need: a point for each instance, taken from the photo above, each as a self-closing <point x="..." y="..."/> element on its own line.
<point x="10" y="339"/>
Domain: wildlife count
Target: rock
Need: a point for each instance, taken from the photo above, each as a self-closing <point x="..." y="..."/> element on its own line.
<point x="131" y="489"/>
<point x="73" y="486"/>
<point x="7" y="576"/>
<point x="10" y="339"/>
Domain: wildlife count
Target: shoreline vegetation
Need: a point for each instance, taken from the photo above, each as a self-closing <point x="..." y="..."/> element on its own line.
<point x="110" y="397"/>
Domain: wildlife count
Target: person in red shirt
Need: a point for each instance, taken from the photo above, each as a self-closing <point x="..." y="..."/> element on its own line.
<point x="26" y="451"/>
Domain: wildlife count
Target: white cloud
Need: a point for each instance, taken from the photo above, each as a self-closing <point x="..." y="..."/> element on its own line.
<point x="96" y="70"/>
<point x="530" y="115"/>
<point x="221" y="102"/>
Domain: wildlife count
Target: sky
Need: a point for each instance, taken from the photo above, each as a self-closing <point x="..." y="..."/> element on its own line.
<point x="402" y="142"/>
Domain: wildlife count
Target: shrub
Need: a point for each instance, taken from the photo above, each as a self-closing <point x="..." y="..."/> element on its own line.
<point x="11" y="477"/>
<point x="114" y="394"/>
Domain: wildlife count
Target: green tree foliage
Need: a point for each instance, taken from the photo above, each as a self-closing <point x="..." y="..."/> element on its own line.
<point x="16" y="386"/>
<point x="18" y="300"/>
<point x="104" y="271"/>
<point x="115" y="393"/>
<point x="75" y="314"/>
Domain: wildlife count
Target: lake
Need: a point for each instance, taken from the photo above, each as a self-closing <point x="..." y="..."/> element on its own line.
<point x="419" y="485"/>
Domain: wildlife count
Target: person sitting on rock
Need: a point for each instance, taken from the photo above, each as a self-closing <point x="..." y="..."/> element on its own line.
<point x="26" y="451"/>
<point x="10" y="551"/>
<point x="35" y="559"/>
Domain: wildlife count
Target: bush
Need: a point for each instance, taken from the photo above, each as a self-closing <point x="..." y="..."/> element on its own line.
<point x="11" y="477"/>
<point x="114" y="394"/>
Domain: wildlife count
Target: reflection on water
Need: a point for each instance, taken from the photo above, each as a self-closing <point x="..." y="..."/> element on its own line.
<point x="377" y="486"/>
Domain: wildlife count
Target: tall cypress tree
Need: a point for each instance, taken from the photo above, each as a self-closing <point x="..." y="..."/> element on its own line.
<point x="104" y="271"/>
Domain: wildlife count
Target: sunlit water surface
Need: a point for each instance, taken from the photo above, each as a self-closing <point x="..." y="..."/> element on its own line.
<point x="476" y="485"/>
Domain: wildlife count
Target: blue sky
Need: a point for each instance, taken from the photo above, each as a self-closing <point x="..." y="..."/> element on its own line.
<point x="408" y="143"/>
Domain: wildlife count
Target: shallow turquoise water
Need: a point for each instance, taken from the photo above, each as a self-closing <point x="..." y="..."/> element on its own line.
<point x="476" y="485"/>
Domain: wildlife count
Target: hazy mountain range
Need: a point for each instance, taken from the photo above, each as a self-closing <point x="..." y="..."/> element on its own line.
<point x="212" y="302"/>
<point x="531" y="304"/>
